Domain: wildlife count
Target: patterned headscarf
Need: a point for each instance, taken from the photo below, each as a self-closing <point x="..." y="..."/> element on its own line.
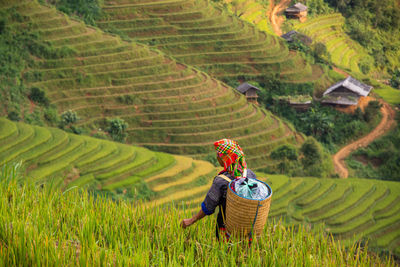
<point x="234" y="160"/>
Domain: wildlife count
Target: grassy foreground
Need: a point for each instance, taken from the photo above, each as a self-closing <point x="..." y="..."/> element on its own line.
<point x="40" y="225"/>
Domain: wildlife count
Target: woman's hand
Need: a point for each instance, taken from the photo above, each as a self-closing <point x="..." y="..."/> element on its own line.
<point x="186" y="223"/>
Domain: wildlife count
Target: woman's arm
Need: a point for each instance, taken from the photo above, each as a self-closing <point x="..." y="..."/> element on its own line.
<point x="188" y="222"/>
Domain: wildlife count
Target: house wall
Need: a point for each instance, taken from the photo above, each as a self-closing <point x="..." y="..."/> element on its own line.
<point x="251" y="93"/>
<point x="342" y="89"/>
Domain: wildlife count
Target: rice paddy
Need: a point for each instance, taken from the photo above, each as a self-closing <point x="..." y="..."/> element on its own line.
<point x="76" y="228"/>
<point x="169" y="106"/>
<point x="351" y="209"/>
<point x="201" y="34"/>
<point x="328" y="29"/>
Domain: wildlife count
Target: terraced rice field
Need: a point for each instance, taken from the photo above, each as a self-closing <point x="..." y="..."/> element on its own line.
<point x="328" y="29"/>
<point x="351" y="208"/>
<point x="72" y="160"/>
<point x="253" y="11"/>
<point x="198" y="33"/>
<point x="169" y="106"/>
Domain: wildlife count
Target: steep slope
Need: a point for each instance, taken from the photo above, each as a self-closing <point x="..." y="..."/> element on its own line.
<point x="200" y="34"/>
<point x="168" y="106"/>
<point x="349" y="208"/>
<point x="328" y="29"/>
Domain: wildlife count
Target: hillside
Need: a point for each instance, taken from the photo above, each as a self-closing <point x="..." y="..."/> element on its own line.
<point x="168" y="106"/>
<point x="351" y="207"/>
<point x="74" y="228"/>
<point x="50" y="154"/>
<point x="200" y="34"/>
<point x="344" y="52"/>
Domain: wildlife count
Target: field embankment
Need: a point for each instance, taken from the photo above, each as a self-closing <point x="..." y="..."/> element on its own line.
<point x="349" y="208"/>
<point x="328" y="29"/>
<point x="168" y="106"/>
<point x="199" y="33"/>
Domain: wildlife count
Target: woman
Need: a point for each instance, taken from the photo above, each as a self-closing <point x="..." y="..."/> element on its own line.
<point x="231" y="157"/>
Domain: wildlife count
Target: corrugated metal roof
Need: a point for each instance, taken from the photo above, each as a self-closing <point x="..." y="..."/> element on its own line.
<point x="244" y="87"/>
<point x="297" y="7"/>
<point x="289" y="35"/>
<point x="351" y="84"/>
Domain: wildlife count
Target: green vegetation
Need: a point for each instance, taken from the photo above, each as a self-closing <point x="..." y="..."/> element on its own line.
<point x="88" y="10"/>
<point x="71" y="160"/>
<point x="375" y="25"/>
<point x="126" y="172"/>
<point x="310" y="160"/>
<point x="167" y="106"/>
<point x="341" y="49"/>
<point x="380" y="160"/>
<point x="117" y="129"/>
<point x="252" y="11"/>
<point x="330" y="127"/>
<point x="80" y="229"/>
<point x="208" y="36"/>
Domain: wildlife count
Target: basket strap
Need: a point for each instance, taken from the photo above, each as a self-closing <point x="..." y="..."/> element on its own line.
<point x="226" y="178"/>
<point x="254" y="221"/>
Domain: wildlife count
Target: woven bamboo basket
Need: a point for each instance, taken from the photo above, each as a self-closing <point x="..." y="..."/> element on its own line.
<point x="246" y="216"/>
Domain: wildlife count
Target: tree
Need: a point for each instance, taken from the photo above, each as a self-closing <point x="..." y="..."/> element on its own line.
<point x="69" y="117"/>
<point x="287" y="155"/>
<point x="39" y="96"/>
<point x="117" y="129"/>
<point x="395" y="80"/>
<point x="283" y="152"/>
<point x="318" y="124"/>
<point x="311" y="151"/>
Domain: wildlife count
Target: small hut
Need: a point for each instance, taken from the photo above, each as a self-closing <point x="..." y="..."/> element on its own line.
<point x="297" y="11"/>
<point x="249" y="91"/>
<point x="291" y="35"/>
<point x="298" y="102"/>
<point x="346" y="93"/>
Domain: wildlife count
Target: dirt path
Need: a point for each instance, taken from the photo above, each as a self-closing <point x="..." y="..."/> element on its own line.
<point x="340" y="71"/>
<point x="275" y="20"/>
<point x="386" y="123"/>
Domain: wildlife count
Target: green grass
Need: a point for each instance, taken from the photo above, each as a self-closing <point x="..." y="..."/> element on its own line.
<point x="349" y="208"/>
<point x="80" y="229"/>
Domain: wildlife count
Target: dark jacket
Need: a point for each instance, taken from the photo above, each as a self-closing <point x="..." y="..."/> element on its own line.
<point x="216" y="196"/>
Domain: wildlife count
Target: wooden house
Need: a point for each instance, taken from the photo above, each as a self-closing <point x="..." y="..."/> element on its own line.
<point x="346" y="93"/>
<point x="297" y="11"/>
<point x="249" y="91"/>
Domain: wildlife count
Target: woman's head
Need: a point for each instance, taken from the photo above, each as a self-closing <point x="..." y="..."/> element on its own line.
<point x="230" y="156"/>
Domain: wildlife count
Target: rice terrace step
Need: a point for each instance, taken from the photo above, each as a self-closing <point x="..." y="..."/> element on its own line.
<point x="351" y="209"/>
<point x="106" y="77"/>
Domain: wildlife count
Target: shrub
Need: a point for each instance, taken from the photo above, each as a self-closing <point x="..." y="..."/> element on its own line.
<point x="283" y="152"/>
<point x="117" y="129"/>
<point x="39" y="96"/>
<point x="88" y="10"/>
<point x="69" y="117"/>
<point x="51" y="116"/>
<point x="14" y="116"/>
<point x="371" y="110"/>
